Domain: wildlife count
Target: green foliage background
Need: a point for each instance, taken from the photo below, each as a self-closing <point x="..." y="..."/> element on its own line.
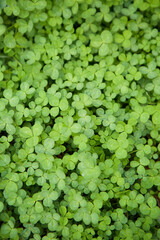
<point x="79" y="119"/>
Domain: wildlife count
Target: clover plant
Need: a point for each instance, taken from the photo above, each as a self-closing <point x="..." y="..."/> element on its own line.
<point x="79" y="119"/>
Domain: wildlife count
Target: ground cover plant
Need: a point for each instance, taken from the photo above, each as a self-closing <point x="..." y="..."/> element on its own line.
<point x="79" y="119"/>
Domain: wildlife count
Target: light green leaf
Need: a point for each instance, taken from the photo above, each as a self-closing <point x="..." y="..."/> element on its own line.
<point x="10" y="129"/>
<point x="96" y="42"/>
<point x="1" y="206"/>
<point x="144" y="209"/>
<point x="2" y="29"/>
<point x="63" y="104"/>
<point x="107" y="36"/>
<point x="76" y="127"/>
<point x="121" y="153"/>
<point x="11" y="187"/>
<point x="156" y="118"/>
<point x="151" y="202"/>
<point x="9" y="41"/>
<point x="37" y="129"/>
<point x="38" y="207"/>
<point x="144" y="161"/>
<point x="33" y="141"/>
<point x="144" y="117"/>
<point x="4" y="160"/>
<point x="104" y="50"/>
<point x="112" y="144"/>
<point x="141" y="170"/>
<point x="25" y="132"/>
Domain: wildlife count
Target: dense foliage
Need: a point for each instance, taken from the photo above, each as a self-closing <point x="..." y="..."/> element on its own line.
<point x="79" y="119"/>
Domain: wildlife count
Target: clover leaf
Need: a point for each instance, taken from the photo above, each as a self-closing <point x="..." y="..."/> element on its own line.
<point x="102" y="42"/>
